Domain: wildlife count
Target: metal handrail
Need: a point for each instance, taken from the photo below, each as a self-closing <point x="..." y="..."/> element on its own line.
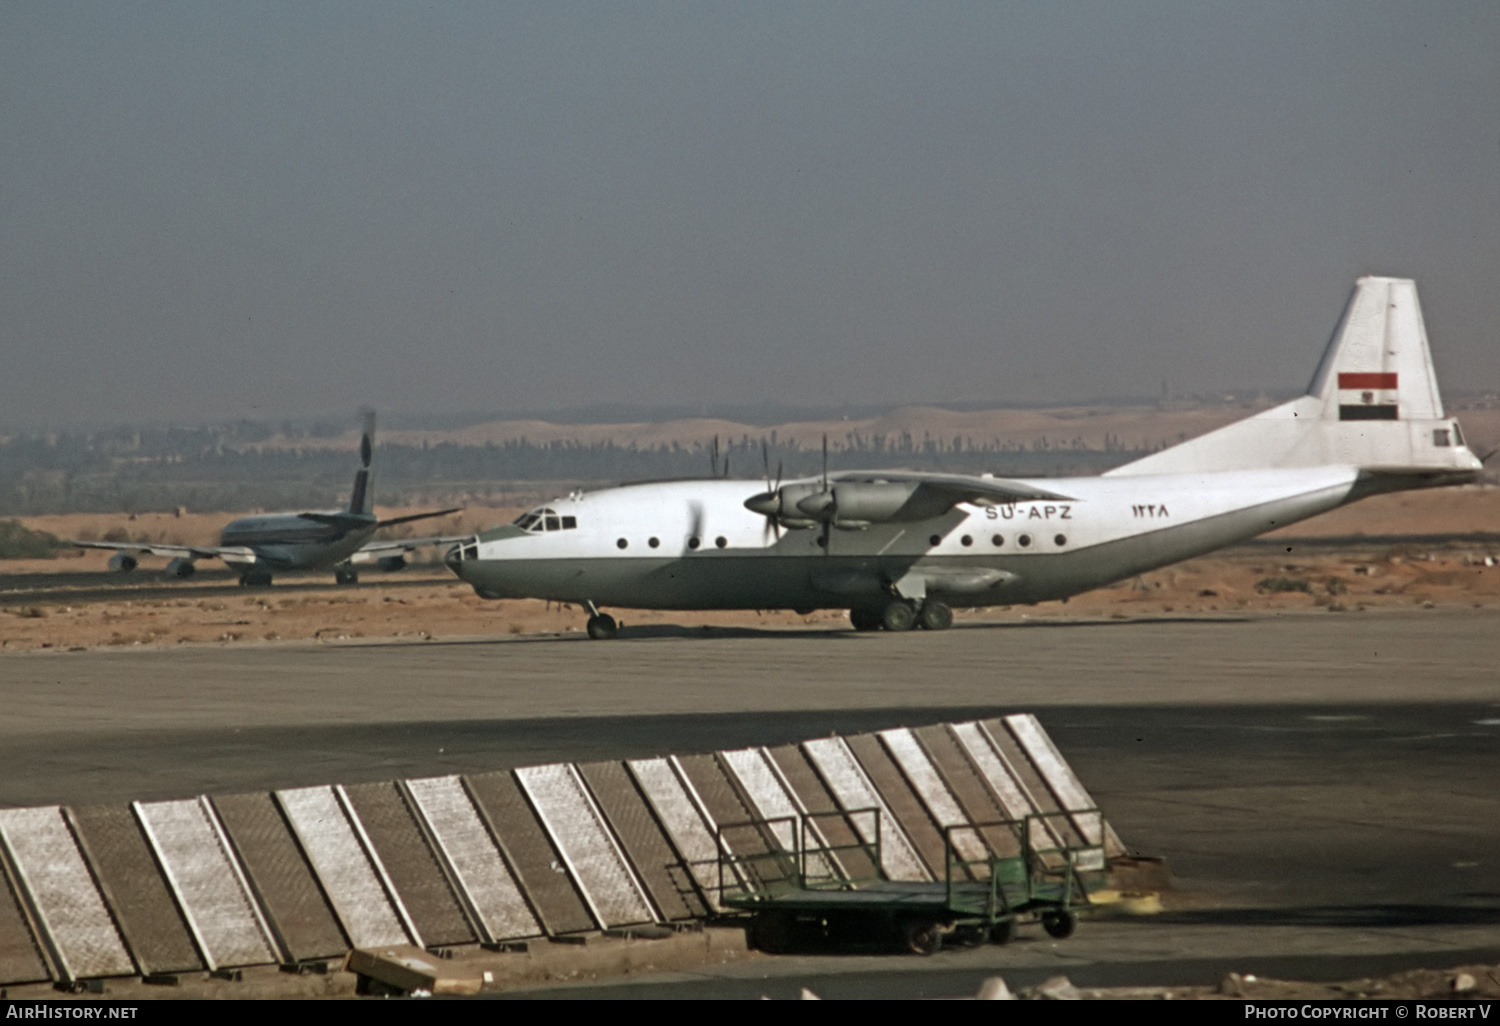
<point x="808" y="844"/>
<point x="1039" y="861"/>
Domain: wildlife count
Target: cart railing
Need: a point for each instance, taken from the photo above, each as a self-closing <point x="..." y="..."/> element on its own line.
<point x="769" y="856"/>
<point x="1053" y="856"/>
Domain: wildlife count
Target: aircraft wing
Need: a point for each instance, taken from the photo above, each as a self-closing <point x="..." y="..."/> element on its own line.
<point x="343" y="518"/>
<point x="396" y="546"/>
<point x="164" y="549"/>
<point x="418" y="516"/>
<point x="956" y="488"/>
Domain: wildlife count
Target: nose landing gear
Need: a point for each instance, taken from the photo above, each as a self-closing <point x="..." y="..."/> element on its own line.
<point x="601" y="626"/>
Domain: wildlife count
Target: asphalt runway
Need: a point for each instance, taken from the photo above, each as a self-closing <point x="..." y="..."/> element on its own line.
<point x="1325" y="786"/>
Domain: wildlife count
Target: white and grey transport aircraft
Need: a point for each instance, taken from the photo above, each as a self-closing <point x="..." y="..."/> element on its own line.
<point x="900" y="549"/>
<point x="260" y="546"/>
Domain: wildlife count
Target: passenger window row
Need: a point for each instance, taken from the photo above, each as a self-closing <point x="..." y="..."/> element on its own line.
<point x="1023" y="540"/>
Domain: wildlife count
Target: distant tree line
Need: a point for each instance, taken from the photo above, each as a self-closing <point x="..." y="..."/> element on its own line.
<point x="214" y="469"/>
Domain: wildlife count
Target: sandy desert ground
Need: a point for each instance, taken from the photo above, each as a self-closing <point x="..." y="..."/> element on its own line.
<point x="1437" y="548"/>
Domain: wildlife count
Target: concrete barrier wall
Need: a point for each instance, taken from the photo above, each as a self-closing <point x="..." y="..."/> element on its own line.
<point x="307" y="873"/>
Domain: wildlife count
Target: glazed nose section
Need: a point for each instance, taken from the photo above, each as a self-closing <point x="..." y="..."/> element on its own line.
<point x="464" y="552"/>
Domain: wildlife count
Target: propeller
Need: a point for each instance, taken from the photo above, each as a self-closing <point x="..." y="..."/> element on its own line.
<point x="773" y="525"/>
<point x="828" y="521"/>
<point x="695" y="526"/>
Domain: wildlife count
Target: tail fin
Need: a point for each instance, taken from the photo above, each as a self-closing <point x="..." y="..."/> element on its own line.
<point x="1373" y="404"/>
<point x="362" y="495"/>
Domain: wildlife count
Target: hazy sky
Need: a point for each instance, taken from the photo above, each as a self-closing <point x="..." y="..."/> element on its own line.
<point x="225" y="210"/>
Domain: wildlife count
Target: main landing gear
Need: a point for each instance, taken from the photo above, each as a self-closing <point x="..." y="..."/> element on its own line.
<point x="255" y="579"/>
<point x="344" y="575"/>
<point x="902" y="615"/>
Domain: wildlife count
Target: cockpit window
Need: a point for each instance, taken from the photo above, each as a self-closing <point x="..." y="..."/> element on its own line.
<point x="544" y="518"/>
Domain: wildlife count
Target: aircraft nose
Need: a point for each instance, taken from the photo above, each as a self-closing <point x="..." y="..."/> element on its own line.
<point x="465" y="551"/>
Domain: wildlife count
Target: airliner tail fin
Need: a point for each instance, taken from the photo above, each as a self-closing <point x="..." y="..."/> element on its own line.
<point x="362" y="495"/>
<point x="1373" y="404"/>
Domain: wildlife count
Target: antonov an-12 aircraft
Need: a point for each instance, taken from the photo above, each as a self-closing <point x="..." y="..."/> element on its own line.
<point x="260" y="546"/>
<point x="900" y="549"/>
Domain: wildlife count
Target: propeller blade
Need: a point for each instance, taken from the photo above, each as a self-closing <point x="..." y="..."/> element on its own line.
<point x="695" y="528"/>
<point x="825" y="463"/>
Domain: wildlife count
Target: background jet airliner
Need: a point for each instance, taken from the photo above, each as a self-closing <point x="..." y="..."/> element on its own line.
<point x="900" y="549"/>
<point x="260" y="546"/>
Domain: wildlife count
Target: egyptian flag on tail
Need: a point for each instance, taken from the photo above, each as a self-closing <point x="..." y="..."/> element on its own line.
<point x="1368" y="396"/>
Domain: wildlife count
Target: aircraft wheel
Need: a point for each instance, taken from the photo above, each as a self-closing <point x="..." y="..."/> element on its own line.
<point x="899" y="615"/>
<point x="935" y="616"/>
<point x="255" y="579"/>
<point x="344" y="575"/>
<point x="865" y="619"/>
<point x="1060" y="923"/>
<point x="602" y="627"/>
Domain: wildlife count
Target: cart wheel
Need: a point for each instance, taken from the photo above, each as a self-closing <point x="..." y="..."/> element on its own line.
<point x="923" y="936"/>
<point x="1003" y="932"/>
<point x="1059" y="923"/>
<point x="772" y="932"/>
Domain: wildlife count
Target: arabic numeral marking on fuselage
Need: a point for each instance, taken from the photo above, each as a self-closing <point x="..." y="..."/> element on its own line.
<point x="1062" y="511"/>
<point x="1149" y="511"/>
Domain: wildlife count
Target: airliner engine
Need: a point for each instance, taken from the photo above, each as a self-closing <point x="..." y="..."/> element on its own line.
<point x="853" y="504"/>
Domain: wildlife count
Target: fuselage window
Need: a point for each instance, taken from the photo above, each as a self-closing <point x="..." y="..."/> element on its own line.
<point x="622" y="543"/>
<point x="554" y="523"/>
<point x="998" y="540"/>
<point x="525" y="520"/>
<point x="654" y="542"/>
<point x="693" y="543"/>
<point x="936" y="539"/>
<point x="967" y="540"/>
<point x="721" y="541"/>
<point x="570" y="523"/>
<point x="1024" y="540"/>
<point x="1061" y="540"/>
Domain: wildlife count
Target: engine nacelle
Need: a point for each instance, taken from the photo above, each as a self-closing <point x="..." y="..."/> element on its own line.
<point x="390" y="564"/>
<point x="180" y="566"/>
<point x="122" y="563"/>
<point x="873" y="502"/>
<point x="854" y="504"/>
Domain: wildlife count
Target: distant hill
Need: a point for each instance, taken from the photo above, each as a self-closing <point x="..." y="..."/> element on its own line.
<point x="250" y="465"/>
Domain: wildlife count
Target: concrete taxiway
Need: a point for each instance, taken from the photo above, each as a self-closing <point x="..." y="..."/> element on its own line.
<point x="1323" y="784"/>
